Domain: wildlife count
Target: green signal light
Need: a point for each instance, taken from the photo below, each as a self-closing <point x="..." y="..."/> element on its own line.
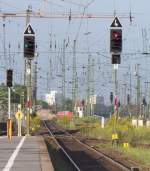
<point x="28" y="46"/>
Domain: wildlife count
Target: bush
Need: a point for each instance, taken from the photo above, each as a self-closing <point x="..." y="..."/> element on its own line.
<point x="35" y="123"/>
<point x="91" y="126"/>
<point x="64" y="121"/>
<point x="140" y="135"/>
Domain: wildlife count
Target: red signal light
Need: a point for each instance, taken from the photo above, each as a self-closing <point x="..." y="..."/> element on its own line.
<point x="116" y="40"/>
<point x="116" y="35"/>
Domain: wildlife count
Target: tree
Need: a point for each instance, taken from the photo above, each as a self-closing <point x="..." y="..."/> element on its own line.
<point x="19" y="94"/>
<point x="43" y="104"/>
<point x="3" y="102"/>
<point x="69" y="105"/>
<point x="3" y="95"/>
<point x="66" y="106"/>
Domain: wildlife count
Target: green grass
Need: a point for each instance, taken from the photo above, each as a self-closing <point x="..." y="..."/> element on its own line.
<point x="91" y="127"/>
<point x="88" y="126"/>
<point x="66" y="123"/>
<point x="140" y="135"/>
<point x="141" y="155"/>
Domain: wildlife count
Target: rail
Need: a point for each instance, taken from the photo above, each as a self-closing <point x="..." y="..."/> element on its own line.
<point x="70" y="159"/>
<point x="109" y="159"/>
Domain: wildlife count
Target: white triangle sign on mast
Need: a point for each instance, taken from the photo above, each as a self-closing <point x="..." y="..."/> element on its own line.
<point x="116" y="23"/>
<point x="29" y="30"/>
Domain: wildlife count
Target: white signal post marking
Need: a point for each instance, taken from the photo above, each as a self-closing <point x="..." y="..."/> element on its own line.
<point x="29" y="30"/>
<point x="116" y="24"/>
<point x="13" y="156"/>
<point x="116" y="66"/>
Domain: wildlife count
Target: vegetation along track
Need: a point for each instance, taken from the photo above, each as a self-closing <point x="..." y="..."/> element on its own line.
<point x="82" y="156"/>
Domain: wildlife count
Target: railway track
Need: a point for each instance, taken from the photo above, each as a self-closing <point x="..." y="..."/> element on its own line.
<point x="82" y="156"/>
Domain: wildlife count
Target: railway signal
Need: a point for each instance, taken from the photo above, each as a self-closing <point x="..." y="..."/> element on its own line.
<point x="29" y="46"/>
<point x="9" y="85"/>
<point x="115" y="50"/>
<point x="9" y="77"/>
<point x="29" y="53"/>
<point x="29" y="42"/>
<point x="128" y="99"/>
<point x="144" y="102"/>
<point x="116" y="59"/>
<point x="116" y="40"/>
<point x="111" y="97"/>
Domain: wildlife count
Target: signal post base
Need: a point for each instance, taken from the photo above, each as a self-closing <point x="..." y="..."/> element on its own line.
<point x="9" y="129"/>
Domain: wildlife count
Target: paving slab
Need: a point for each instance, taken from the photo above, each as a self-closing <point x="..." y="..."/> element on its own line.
<point x="29" y="155"/>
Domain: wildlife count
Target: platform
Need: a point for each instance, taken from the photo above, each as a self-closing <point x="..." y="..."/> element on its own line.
<point x="24" y="154"/>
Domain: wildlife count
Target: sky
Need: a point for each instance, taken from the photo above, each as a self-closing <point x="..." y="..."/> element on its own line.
<point x="92" y="37"/>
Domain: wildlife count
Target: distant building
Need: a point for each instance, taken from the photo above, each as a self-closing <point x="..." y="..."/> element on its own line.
<point x="97" y="105"/>
<point x="95" y="99"/>
<point x="53" y="98"/>
<point x="79" y="108"/>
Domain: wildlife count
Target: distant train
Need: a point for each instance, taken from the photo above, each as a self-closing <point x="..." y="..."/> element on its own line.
<point x="63" y="114"/>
